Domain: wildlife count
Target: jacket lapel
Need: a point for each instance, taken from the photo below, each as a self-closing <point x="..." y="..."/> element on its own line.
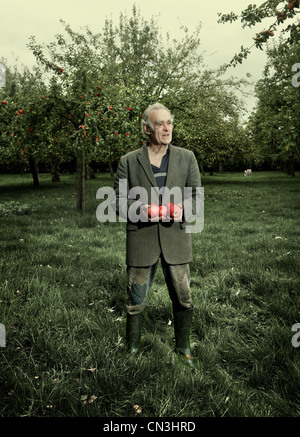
<point x="145" y="163"/>
<point x="172" y="176"/>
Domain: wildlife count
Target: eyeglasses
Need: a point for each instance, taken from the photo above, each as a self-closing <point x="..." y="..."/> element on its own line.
<point x="160" y="124"/>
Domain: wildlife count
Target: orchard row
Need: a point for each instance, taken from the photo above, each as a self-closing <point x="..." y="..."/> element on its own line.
<point x="56" y="126"/>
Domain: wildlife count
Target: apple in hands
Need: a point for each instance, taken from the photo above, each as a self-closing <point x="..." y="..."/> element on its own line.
<point x="153" y="211"/>
<point x="174" y="211"/>
<point x="156" y="212"/>
<point x="163" y="211"/>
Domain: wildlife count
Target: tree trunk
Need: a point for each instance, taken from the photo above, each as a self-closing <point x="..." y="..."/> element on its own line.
<point x="80" y="168"/>
<point x="55" y="170"/>
<point x="90" y="172"/>
<point x="34" y="171"/>
<point x="202" y="170"/>
<point x="111" y="170"/>
<point x="221" y="169"/>
<point x="291" y="168"/>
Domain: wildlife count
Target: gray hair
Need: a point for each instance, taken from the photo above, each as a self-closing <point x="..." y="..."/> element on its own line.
<point x="146" y="116"/>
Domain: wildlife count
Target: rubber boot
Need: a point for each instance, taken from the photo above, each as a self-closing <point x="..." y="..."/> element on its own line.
<point x="133" y="332"/>
<point x="182" y="326"/>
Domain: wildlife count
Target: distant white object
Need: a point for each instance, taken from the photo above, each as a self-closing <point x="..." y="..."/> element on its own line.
<point x="248" y="172"/>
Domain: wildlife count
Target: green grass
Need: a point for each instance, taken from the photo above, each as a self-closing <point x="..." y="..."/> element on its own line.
<point x="63" y="292"/>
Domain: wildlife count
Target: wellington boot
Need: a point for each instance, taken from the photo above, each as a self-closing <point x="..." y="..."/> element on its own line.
<point x="182" y="327"/>
<point x="133" y="332"/>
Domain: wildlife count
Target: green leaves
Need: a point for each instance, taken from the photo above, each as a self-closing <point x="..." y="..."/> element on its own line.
<point x="224" y="18"/>
<point x="105" y="81"/>
<point x="238" y="58"/>
<point x="275" y="124"/>
<point x="254" y="15"/>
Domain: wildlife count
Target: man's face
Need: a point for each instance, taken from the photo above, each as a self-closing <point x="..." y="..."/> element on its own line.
<point x="163" y="127"/>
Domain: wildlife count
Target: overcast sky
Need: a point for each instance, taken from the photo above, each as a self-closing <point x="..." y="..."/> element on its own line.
<point x="22" y="18"/>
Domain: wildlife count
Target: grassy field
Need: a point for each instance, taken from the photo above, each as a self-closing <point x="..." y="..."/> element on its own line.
<point x="63" y="291"/>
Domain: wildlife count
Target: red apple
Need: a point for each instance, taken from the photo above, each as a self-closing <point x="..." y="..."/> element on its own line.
<point x="153" y="210"/>
<point x="174" y="210"/>
<point x="163" y="211"/>
<point x="170" y="207"/>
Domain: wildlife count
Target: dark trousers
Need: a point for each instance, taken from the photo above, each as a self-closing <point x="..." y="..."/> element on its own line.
<point x="140" y="280"/>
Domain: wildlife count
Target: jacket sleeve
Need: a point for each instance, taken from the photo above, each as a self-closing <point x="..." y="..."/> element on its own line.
<point x="121" y="188"/>
<point x="193" y="199"/>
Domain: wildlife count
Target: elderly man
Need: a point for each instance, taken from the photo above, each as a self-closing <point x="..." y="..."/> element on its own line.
<point x="157" y="168"/>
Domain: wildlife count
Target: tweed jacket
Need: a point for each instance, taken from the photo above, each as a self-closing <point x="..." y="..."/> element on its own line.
<point x="146" y="241"/>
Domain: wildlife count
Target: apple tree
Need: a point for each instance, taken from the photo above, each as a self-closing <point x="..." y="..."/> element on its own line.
<point x="95" y="118"/>
<point x="207" y="120"/>
<point x="281" y="17"/>
<point x="275" y="123"/>
<point x="23" y="115"/>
